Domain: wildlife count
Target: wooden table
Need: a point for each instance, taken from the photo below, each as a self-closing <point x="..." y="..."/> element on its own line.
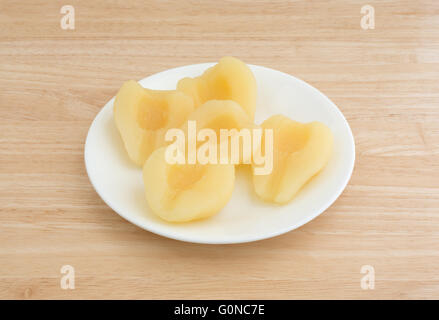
<point x="53" y="82"/>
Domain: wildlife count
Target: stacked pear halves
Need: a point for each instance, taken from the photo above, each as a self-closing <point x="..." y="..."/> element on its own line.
<point x="223" y="97"/>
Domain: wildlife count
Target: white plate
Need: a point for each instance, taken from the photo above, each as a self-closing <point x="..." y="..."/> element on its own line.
<point x="245" y="218"/>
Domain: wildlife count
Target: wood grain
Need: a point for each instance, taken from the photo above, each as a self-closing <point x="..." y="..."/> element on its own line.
<point x="53" y="82"/>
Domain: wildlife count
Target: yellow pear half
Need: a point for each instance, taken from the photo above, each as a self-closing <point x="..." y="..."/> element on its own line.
<point x="230" y="79"/>
<point x="143" y="116"/>
<point x="300" y="151"/>
<point x="225" y="114"/>
<point x="185" y="192"/>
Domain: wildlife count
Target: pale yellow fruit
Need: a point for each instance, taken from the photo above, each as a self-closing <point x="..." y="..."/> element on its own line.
<point x="224" y="114"/>
<point x="230" y="79"/>
<point x="185" y="192"/>
<point x="300" y="151"/>
<point x="143" y="116"/>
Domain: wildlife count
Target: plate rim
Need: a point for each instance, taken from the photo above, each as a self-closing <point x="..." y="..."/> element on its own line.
<point x="235" y="240"/>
